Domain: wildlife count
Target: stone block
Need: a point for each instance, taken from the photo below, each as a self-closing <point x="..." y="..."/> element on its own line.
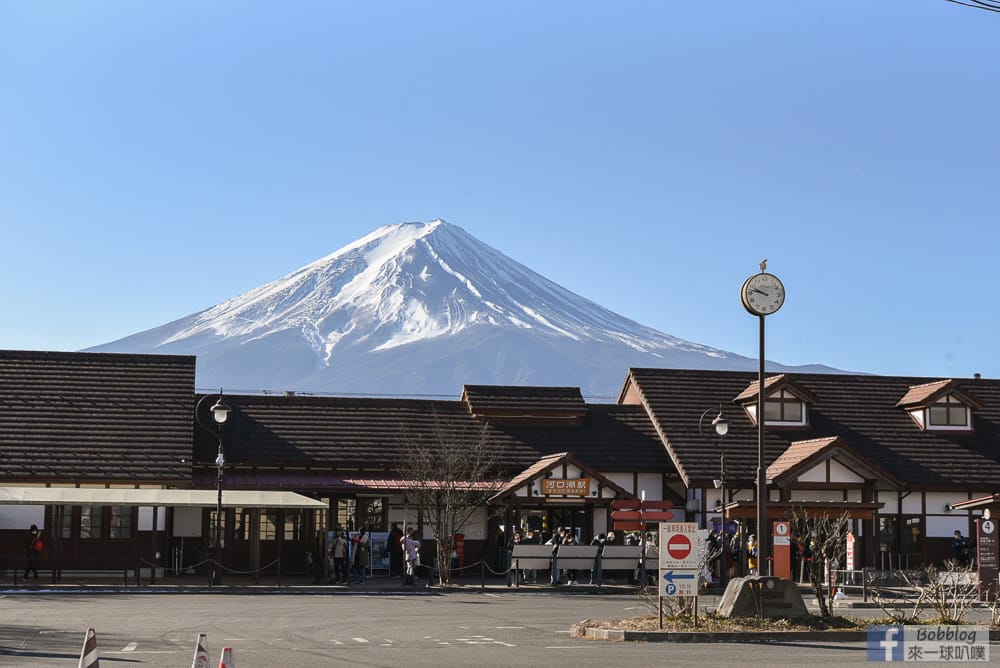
<point x="762" y="595"/>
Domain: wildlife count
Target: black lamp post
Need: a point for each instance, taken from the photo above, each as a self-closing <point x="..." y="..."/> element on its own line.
<point x="721" y="429"/>
<point x="220" y="413"/>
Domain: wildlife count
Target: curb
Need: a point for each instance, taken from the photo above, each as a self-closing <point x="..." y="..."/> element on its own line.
<point x="733" y="637"/>
<point x="301" y="590"/>
<point x="614" y="635"/>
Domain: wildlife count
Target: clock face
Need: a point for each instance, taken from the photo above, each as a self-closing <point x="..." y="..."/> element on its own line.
<point x="763" y="294"/>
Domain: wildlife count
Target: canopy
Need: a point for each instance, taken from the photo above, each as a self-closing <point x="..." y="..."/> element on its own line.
<point x="192" y="498"/>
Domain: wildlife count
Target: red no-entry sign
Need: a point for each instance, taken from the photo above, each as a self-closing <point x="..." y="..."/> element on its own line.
<point x="679" y="546"/>
<point x="678" y="543"/>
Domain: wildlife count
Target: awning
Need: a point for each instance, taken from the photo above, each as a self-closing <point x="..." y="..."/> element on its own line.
<point x="192" y="498"/>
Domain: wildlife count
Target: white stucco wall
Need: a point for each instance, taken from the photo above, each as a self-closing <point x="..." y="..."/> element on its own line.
<point x="623" y="480"/>
<point x="913" y="504"/>
<point x="652" y="485"/>
<point x="944" y="526"/>
<point x="840" y="473"/>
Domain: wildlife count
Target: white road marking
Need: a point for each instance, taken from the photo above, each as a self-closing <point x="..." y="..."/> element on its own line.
<point x="483" y="640"/>
<point x="500" y="627"/>
<point x="130" y="647"/>
<point x="360" y="640"/>
<point x="335" y="642"/>
<point x="491" y="595"/>
<point x="148" y="651"/>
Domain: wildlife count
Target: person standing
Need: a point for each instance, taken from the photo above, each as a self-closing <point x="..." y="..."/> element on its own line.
<point x="531" y="538"/>
<point x="960" y="545"/>
<point x="33" y="551"/>
<point x="519" y="574"/>
<point x="340" y="549"/>
<point x="394" y="547"/>
<point x="362" y="544"/>
<point x="411" y="555"/>
<point x="752" y="554"/>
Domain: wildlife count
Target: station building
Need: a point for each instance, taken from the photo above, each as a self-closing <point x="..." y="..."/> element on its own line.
<point x="107" y="454"/>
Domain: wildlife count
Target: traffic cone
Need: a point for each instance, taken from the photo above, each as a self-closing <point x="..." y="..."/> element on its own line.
<point x="226" y="661"/>
<point x="89" y="657"/>
<point x="200" y="652"/>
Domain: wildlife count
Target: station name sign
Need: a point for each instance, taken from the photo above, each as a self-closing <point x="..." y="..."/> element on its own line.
<point x="566" y="487"/>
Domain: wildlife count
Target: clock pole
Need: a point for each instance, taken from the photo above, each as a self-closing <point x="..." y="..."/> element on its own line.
<point x="762" y="294"/>
<point x="763" y="542"/>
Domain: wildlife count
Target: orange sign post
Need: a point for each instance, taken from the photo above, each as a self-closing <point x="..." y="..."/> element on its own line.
<point x="782" y="550"/>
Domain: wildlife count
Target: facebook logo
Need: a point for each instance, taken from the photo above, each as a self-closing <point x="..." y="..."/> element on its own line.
<point x="885" y="643"/>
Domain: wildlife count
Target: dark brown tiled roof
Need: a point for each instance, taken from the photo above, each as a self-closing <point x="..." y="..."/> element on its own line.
<point x="512" y="402"/>
<point x="860" y="409"/>
<point x="372" y="434"/>
<point x="95" y="417"/>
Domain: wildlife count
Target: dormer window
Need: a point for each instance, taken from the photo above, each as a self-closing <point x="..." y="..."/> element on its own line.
<point x="783" y="406"/>
<point x="785" y="402"/>
<point x="940" y="405"/>
<point x="948" y="412"/>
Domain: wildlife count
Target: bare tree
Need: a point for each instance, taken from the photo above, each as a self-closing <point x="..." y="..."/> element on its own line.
<point x="450" y="476"/>
<point x="827" y="538"/>
<point x="951" y="592"/>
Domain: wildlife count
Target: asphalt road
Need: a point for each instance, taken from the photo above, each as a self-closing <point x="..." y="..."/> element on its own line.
<point x="306" y="631"/>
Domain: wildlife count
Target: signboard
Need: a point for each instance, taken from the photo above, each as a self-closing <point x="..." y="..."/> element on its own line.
<point x="782" y="533"/>
<point x="988" y="558"/>
<point x="782" y="550"/>
<point x="678" y="546"/>
<point x="850" y="551"/>
<point x="679" y="583"/>
<point x="566" y="487"/>
<point x="634" y="515"/>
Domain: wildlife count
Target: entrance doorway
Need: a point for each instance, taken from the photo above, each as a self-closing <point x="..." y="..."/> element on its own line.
<point x="576" y="519"/>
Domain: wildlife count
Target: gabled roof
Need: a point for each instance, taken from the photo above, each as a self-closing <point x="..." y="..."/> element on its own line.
<point x="548" y="463"/>
<point x="859" y="408"/>
<point x="773" y="384"/>
<point x="801" y="456"/>
<point x="928" y="393"/>
<point x="95" y="417"/>
<point x="524" y="403"/>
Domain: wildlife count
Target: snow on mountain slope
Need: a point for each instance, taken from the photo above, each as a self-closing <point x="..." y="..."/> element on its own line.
<point x="416" y="308"/>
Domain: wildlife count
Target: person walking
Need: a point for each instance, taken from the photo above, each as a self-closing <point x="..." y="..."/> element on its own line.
<point x="33" y="551"/>
<point x="752" y="554"/>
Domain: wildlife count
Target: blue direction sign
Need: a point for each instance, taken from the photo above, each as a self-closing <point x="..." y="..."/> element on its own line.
<point x="679" y="583"/>
<point x="670" y="576"/>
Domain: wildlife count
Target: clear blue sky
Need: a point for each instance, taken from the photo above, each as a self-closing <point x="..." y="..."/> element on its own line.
<point x="157" y="158"/>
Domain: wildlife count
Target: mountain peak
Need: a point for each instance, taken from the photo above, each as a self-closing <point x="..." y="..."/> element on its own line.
<point x="416" y="307"/>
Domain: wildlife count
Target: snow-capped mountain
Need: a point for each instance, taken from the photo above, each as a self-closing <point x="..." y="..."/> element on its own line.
<point x="416" y="308"/>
